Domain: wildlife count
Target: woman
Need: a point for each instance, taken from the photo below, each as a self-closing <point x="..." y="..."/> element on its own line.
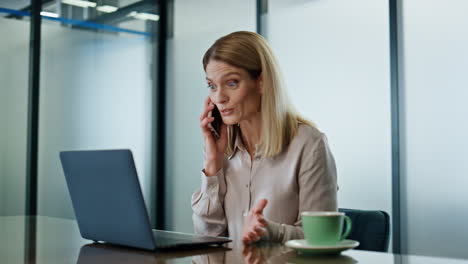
<point x="266" y="152"/>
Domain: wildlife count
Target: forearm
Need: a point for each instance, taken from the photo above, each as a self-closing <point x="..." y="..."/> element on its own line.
<point x="208" y="207"/>
<point x="276" y="232"/>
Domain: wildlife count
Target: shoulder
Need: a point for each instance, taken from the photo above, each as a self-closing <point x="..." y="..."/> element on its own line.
<point x="311" y="145"/>
<point x="308" y="136"/>
<point x="308" y="140"/>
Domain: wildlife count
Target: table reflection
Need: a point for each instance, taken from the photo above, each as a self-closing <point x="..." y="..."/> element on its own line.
<point x="39" y="240"/>
<point x="260" y="253"/>
<point x="105" y="253"/>
<point x="340" y="259"/>
<point x="268" y="253"/>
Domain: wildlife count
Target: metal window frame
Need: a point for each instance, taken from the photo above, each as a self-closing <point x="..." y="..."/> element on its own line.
<point x="159" y="112"/>
<point x="33" y="132"/>
<point x="394" y="11"/>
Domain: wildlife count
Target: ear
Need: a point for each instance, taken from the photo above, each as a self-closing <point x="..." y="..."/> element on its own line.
<point x="260" y="83"/>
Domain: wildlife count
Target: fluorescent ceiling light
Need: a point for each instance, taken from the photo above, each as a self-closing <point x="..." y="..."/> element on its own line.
<point x="106" y="8"/>
<point x="49" y="14"/>
<point x="144" y="16"/>
<point x="80" y="3"/>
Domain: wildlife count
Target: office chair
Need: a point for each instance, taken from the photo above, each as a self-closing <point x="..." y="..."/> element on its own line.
<point x="370" y="228"/>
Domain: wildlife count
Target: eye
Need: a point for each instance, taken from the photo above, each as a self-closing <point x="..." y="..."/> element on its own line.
<point x="211" y="86"/>
<point x="232" y="83"/>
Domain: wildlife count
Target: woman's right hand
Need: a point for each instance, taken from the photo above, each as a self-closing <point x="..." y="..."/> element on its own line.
<point x="214" y="148"/>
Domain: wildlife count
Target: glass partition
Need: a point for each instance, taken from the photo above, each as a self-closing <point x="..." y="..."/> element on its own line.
<point x="14" y="75"/>
<point x="335" y="58"/>
<point x="14" y="65"/>
<point x="197" y="25"/>
<point x="434" y="128"/>
<point x="97" y="80"/>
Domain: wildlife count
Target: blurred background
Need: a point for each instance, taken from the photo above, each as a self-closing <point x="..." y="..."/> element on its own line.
<point x="384" y="80"/>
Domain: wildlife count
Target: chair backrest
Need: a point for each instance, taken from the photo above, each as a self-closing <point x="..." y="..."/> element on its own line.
<point x="370" y="228"/>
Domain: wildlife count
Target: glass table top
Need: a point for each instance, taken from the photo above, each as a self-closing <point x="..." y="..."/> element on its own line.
<point x="52" y="240"/>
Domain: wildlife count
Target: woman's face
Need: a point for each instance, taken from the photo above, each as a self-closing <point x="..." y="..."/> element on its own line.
<point x="232" y="90"/>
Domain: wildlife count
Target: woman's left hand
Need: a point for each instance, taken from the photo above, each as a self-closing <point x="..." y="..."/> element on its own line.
<point x="253" y="254"/>
<point x="254" y="223"/>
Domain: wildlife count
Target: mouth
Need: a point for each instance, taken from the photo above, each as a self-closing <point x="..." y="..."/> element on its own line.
<point x="227" y="111"/>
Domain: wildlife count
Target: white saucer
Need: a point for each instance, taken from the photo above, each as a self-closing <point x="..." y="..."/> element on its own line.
<point x="304" y="248"/>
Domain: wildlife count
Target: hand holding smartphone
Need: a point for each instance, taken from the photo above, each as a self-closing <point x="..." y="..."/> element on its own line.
<point x="215" y="126"/>
<point x="214" y="137"/>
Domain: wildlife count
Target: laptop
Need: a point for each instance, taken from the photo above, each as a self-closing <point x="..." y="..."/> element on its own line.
<point x="109" y="206"/>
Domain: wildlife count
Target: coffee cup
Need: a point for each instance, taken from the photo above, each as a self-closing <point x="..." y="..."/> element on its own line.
<point x="325" y="228"/>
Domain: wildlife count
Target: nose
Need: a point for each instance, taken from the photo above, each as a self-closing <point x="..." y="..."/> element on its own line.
<point x="219" y="97"/>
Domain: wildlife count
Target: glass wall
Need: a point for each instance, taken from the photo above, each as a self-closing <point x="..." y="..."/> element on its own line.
<point x="434" y="91"/>
<point x="96" y="90"/>
<point x="335" y="58"/>
<point x="196" y="26"/>
<point x="14" y="66"/>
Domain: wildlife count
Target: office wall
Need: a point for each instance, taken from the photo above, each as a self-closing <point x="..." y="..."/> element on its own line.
<point x="335" y="59"/>
<point x="434" y="127"/>
<point x="96" y="93"/>
<point x="14" y="61"/>
<point x="197" y="25"/>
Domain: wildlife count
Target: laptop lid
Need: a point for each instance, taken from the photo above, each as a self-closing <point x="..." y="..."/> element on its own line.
<point x="107" y="198"/>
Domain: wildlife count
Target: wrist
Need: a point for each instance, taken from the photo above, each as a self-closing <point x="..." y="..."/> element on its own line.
<point x="211" y="168"/>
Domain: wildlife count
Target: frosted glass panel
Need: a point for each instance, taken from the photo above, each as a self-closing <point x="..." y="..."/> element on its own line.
<point x="96" y="93"/>
<point x="13" y="231"/>
<point x="335" y="58"/>
<point x="197" y="25"/>
<point x="434" y="127"/>
<point x="14" y="65"/>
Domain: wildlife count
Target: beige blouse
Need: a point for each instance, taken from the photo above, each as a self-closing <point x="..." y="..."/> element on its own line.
<point x="302" y="178"/>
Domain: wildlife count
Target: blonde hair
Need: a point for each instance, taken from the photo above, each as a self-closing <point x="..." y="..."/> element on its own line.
<point x="251" y="52"/>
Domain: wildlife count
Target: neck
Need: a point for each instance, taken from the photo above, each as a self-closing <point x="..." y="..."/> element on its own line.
<point x="251" y="129"/>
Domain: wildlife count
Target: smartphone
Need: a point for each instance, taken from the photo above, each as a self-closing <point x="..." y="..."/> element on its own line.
<point x="215" y="126"/>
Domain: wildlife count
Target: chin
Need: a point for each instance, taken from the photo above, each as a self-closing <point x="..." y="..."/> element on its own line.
<point x="230" y="121"/>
